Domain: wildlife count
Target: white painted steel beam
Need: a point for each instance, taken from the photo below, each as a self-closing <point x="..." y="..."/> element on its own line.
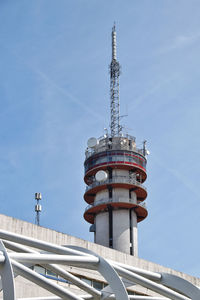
<point x="131" y="297"/>
<point x="7" y="276"/>
<point x="151" y="275"/>
<point x="2" y="257"/>
<point x="162" y="290"/>
<point x="111" y="276"/>
<point x="80" y="261"/>
<point x="167" y="285"/>
<point x="41" y="298"/>
<point x="56" y="269"/>
<point x="18" y="247"/>
<point x="181" y="285"/>
<point x="31" y="242"/>
<point x="43" y="282"/>
<point x="74" y="280"/>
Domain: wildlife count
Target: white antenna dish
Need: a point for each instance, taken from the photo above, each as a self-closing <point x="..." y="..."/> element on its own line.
<point x="101" y="176"/>
<point x="92" y="142"/>
<point x="147" y="152"/>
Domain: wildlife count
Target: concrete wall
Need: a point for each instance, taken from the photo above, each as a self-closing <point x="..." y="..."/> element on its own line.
<point x="121" y="231"/>
<point x="121" y="194"/>
<point x="120" y="172"/>
<point x="133" y="197"/>
<point x="101" y="195"/>
<point x="134" y="233"/>
<point x="27" y="289"/>
<point x="102" y="229"/>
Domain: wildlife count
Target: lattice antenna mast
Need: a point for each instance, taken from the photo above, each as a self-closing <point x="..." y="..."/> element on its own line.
<point x="114" y="89"/>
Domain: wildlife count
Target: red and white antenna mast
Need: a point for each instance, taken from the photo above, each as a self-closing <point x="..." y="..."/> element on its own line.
<point x="115" y="127"/>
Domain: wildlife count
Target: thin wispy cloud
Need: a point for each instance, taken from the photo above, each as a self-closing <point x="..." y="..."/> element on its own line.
<point x="180" y="42"/>
<point x="67" y="94"/>
<point x="56" y="86"/>
<point x="151" y="91"/>
<point x="178" y="175"/>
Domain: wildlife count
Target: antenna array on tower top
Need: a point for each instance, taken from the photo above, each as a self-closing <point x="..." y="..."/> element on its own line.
<point x="114" y="89"/>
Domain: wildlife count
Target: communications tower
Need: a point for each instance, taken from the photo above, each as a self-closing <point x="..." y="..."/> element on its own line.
<point x="115" y="170"/>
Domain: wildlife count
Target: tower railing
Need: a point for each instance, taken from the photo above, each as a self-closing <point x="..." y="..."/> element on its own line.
<point x="116" y="179"/>
<point x="120" y="143"/>
<point x="114" y="200"/>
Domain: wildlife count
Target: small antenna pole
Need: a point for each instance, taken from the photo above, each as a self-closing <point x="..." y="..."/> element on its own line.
<point x="38" y="208"/>
<point x="144" y="147"/>
<point x="115" y="127"/>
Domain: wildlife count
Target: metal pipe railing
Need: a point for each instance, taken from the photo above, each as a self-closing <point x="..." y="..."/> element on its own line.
<point x="107" y="200"/>
<point x="116" y="179"/>
<point x="120" y="143"/>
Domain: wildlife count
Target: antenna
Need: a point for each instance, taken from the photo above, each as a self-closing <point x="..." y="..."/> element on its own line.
<point x="145" y="150"/>
<point x="38" y="208"/>
<point x="114" y="89"/>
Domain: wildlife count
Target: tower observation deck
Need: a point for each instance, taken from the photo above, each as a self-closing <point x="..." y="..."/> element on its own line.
<point x="115" y="170"/>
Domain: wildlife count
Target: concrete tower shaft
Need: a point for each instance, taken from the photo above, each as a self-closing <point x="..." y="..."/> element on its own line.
<point x="115" y="170"/>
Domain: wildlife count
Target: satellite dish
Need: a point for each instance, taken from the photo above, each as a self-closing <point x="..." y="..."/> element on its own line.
<point x="92" y="142"/>
<point x="101" y="176"/>
<point x="147" y="152"/>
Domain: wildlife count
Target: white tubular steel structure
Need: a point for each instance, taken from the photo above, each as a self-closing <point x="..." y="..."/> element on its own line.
<point x="17" y="257"/>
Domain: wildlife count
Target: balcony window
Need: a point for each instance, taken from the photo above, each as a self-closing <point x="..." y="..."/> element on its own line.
<point x="86" y="280"/>
<point x="49" y="273"/>
<point x="98" y="285"/>
<point x="40" y="270"/>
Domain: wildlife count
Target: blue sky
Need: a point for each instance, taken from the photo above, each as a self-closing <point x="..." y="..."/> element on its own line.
<point x="54" y="95"/>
